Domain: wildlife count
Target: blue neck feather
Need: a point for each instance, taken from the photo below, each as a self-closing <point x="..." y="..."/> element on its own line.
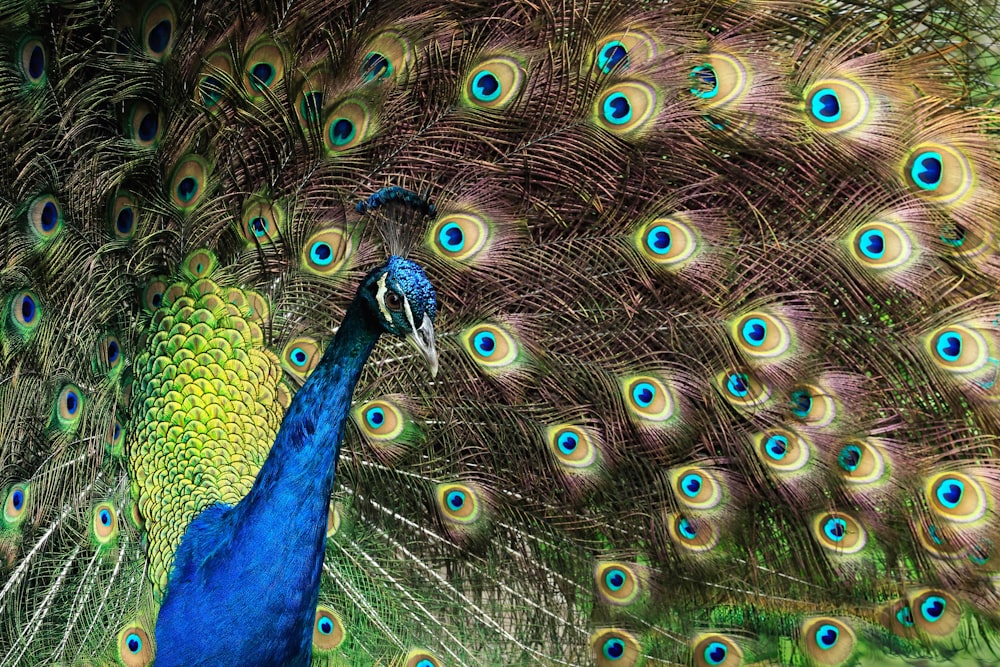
<point x="245" y="580"/>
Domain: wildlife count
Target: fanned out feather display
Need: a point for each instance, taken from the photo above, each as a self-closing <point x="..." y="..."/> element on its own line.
<point x="718" y="330"/>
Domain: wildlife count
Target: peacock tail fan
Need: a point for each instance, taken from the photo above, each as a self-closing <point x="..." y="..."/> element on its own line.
<point x="717" y="331"/>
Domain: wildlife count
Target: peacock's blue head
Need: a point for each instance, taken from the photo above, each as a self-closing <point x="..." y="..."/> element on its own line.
<point x="404" y="303"/>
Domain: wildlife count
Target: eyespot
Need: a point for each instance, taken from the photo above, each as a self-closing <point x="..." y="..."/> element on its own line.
<point x="421" y="658"/>
<point x="144" y="125"/>
<point x="300" y="356"/>
<point x="25" y="313"/>
<point x="647" y="398"/>
<point x="761" y="336"/>
<point x="152" y="295"/>
<point x="696" y="488"/>
<point x="782" y="450"/>
<point x="109" y="353"/>
<point x="388" y="58"/>
<point x="159" y="25"/>
<point x="312" y="98"/>
<point x="572" y="446"/>
<point x="264" y="69"/>
<point x="34" y="62"/>
<point x="617" y="583"/>
<point x="668" y="242"/>
<point x="328" y="629"/>
<point x="15" y="508"/>
<point x="720" y="81"/>
<point x="45" y="217"/>
<point x="938" y="173"/>
<point x="122" y="215"/>
<point x="860" y="462"/>
<point x="836" y="105"/>
<point x="958" y="349"/>
<point x="490" y="347"/>
<point x="742" y="389"/>
<point x="898" y="617"/>
<point x="459" y="236"/>
<point x="494" y="83"/>
<point x="936" y="612"/>
<point x="134" y="648"/>
<point x="880" y="245"/>
<point x="715" y="650"/>
<point x="622" y="50"/>
<point x="104" y="524"/>
<point x="626" y="107"/>
<point x="260" y="222"/>
<point x="956" y="496"/>
<point x="961" y="241"/>
<point x="839" y="532"/>
<point x="458" y="503"/>
<point x="940" y="542"/>
<point x="828" y="641"/>
<point x="69" y="407"/>
<point x="200" y="264"/>
<point x="114" y="439"/>
<point x="693" y="535"/>
<point x="380" y="420"/>
<point x="616" y="647"/>
<point x="214" y="78"/>
<point x="325" y="251"/>
<point x="188" y="182"/>
<point x="346" y="126"/>
<point x="812" y="405"/>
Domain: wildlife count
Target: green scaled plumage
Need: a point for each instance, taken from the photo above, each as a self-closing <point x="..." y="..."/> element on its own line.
<point x="718" y="326"/>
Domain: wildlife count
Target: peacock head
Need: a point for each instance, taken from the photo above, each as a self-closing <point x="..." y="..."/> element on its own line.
<point x="404" y="303"/>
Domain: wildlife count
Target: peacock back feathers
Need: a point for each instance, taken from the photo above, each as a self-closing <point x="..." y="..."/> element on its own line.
<point x="717" y="322"/>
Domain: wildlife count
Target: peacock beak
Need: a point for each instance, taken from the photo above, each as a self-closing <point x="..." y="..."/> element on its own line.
<point x="423" y="339"/>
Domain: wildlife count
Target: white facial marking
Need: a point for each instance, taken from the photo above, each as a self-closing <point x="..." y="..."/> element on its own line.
<point x="380" y="297"/>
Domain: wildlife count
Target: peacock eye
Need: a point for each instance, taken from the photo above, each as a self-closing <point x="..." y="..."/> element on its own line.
<point x="393" y="301"/>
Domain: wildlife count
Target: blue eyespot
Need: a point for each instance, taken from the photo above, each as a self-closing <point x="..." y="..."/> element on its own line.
<point x="342" y="131"/>
<point x="299" y="357"/>
<point x="112" y="351"/>
<point x="17" y="499"/>
<point x="36" y="62"/>
<point x="932" y="609"/>
<point x="801" y="403"/>
<point x="426" y="663"/>
<point x="835" y="528"/>
<point x="485" y="343"/>
<point x="827" y="636"/>
<point x="125" y="220"/>
<point x="486" y="86"/>
<point x="72" y="402"/>
<point x="615" y="579"/>
<point x="776" y="447"/>
<point x="850" y="458"/>
<point x="872" y="244"/>
<point x="27" y="309"/>
<point x="50" y="216"/>
<point x="905" y="617"/>
<point x="187" y="188"/>
<point x="105" y="517"/>
<point x="568" y="442"/>
<point x="258" y="226"/>
<point x="754" y="331"/>
<point x="687" y="529"/>
<point x="643" y="394"/>
<point x="324" y="625"/>
<point x="933" y="533"/>
<point x="376" y="66"/>
<point x="957" y="237"/>
<point x="691" y="485"/>
<point x="928" y="170"/>
<point x="825" y="106"/>
<point x="211" y="90"/>
<point x="456" y="500"/>
<point x="716" y="653"/>
<point x="614" y="649"/>
<point x="658" y="240"/>
<point x="134" y="643"/>
<point x="148" y="127"/>
<point x="950" y="492"/>
<point x="321" y="253"/>
<point x="375" y="417"/>
<point x="738" y="384"/>
<point x="261" y="75"/>
<point x="452" y="237"/>
<point x="706" y="80"/>
<point x="617" y="109"/>
<point x="159" y="37"/>
<point x="949" y="346"/>
<point x="613" y="53"/>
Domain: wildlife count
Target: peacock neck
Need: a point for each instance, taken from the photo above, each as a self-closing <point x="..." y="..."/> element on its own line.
<point x="298" y="475"/>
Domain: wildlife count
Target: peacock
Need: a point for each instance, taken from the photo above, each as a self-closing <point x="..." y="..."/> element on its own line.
<point x="520" y="332"/>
